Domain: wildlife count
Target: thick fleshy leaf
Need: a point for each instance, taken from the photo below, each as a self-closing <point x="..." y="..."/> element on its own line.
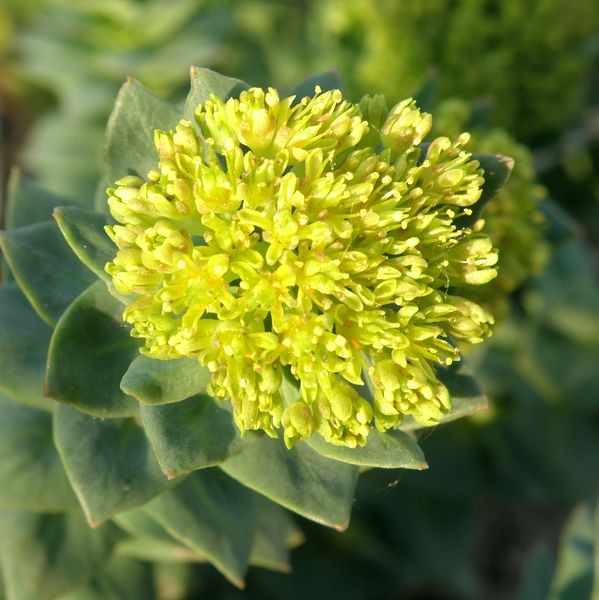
<point x="84" y="232"/>
<point x="390" y="450"/>
<point x="467" y="398"/>
<point x="193" y="434"/>
<point x="44" y="556"/>
<point x="537" y="572"/>
<point x="497" y="169"/>
<point x="205" y="82"/>
<point x="275" y="535"/>
<point x="129" y="145"/>
<point x="156" y="550"/>
<point x="574" y="573"/>
<point x="109" y="463"/>
<point x="24" y="340"/>
<point x="89" y="352"/>
<point x="164" y="381"/>
<point x="31" y="474"/>
<point x="47" y="271"/>
<point x="150" y="541"/>
<point x="328" y="80"/>
<point x="121" y="578"/>
<point x="300" y="479"/>
<point x="27" y="202"/>
<point x="213" y="515"/>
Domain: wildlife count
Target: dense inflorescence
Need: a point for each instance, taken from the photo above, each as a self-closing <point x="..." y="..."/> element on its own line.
<point x="308" y="239"/>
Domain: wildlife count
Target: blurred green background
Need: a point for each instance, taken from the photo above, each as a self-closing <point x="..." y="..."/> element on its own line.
<point x="507" y="508"/>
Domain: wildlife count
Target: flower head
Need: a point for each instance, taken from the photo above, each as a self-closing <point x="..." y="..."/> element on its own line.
<point x="292" y="238"/>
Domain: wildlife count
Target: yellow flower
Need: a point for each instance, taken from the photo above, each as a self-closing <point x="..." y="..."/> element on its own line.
<point x="292" y="234"/>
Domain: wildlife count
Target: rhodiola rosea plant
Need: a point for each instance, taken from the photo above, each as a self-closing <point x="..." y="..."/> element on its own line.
<point x="267" y="302"/>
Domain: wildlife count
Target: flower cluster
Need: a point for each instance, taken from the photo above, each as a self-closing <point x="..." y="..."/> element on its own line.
<point x="512" y="220"/>
<point x="308" y="238"/>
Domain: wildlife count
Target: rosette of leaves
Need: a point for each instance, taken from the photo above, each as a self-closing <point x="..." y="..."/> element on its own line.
<point x="96" y="434"/>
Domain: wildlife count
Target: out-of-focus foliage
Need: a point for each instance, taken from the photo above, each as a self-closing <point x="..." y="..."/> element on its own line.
<point x="81" y="52"/>
<point x="531" y="58"/>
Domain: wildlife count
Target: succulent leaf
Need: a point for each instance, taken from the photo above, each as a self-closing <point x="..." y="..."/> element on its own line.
<point x="193" y="434"/>
<point x="32" y="477"/>
<point x="109" y="463"/>
<point x="164" y="382"/>
<point x="45" y="268"/>
<point x="92" y="331"/>
<point x="24" y="340"/>
<point x="213" y="515"/>
<point x="299" y="479"/>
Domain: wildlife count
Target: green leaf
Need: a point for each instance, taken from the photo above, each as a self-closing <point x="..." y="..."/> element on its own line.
<point x="213" y="515"/>
<point x="121" y="578"/>
<point x="164" y="381"/>
<point x="24" y="340"/>
<point x="44" y="556"/>
<point x="90" y="351"/>
<point x="193" y="434"/>
<point x="390" y="450"/>
<point x="47" y="271"/>
<point x="109" y="463"/>
<point x="467" y="397"/>
<point x="150" y="541"/>
<point x="497" y="169"/>
<point x="27" y="202"/>
<point x="300" y="479"/>
<point x="31" y="474"/>
<point x="275" y="534"/>
<point x="328" y="80"/>
<point x="129" y="145"/>
<point x="205" y="82"/>
<point x="575" y="565"/>
<point x="84" y="232"/>
<point x="154" y="550"/>
<point x="536" y="575"/>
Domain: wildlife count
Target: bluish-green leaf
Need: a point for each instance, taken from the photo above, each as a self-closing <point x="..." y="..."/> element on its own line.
<point x="84" y="232"/>
<point x="49" y="274"/>
<point x="328" y="80"/>
<point x="24" y="340"/>
<point x="193" y="434"/>
<point x="536" y="574"/>
<point x="213" y="515"/>
<point x="109" y="463"/>
<point x="275" y="535"/>
<point x="205" y="82"/>
<point x="164" y="381"/>
<point x="574" y="573"/>
<point x="89" y="353"/>
<point x="27" y="202"/>
<point x="129" y="145"/>
<point x="150" y="541"/>
<point x="31" y="474"/>
<point x="390" y="450"/>
<point x="311" y="485"/>
<point x="121" y="578"/>
<point x="44" y="556"/>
